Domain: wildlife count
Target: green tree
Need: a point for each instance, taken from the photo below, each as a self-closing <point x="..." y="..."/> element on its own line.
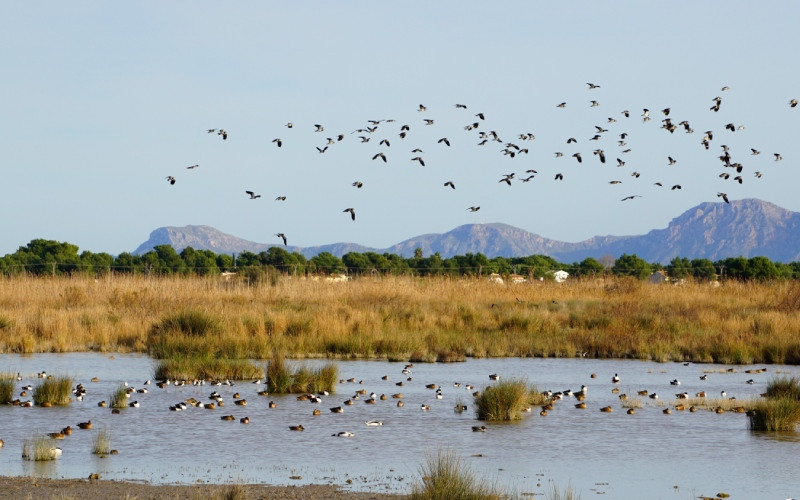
<point x="631" y="265"/>
<point x="327" y="263"/>
<point x="590" y="267"/>
<point x="679" y="267"/>
<point x="703" y="269"/>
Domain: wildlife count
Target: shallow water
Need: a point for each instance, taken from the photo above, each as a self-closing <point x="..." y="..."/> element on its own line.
<point x="646" y="455"/>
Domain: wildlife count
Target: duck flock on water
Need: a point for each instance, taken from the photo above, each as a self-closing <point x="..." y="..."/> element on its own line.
<point x="606" y="141"/>
<point x="304" y="410"/>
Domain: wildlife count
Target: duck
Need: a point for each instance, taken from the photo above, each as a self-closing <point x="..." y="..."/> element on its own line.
<point x="653" y="396"/>
<point x="373" y="423"/>
<point x="476" y="428"/>
<point x="244" y="420"/>
<point x="227" y="417"/>
<point x="345" y="434"/>
<point x="296" y="428"/>
<point x="682" y="395"/>
<point x="400" y="403"/>
<point x="701" y="394"/>
<point x="424" y="407"/>
<point x="703" y="377"/>
<point x="272" y="404"/>
<point x="66" y="430"/>
<point x="85" y="425"/>
<point x="494" y="376"/>
<point x="606" y="409"/>
<point x="666" y="411"/>
<point x="675" y="382"/>
<point x="240" y="402"/>
<point x="615" y="379"/>
<point x="581" y="406"/>
<point x="133" y="404"/>
<point x="337" y="409"/>
<point x="630" y="411"/>
<point x="543" y="413"/>
<point x="56" y="435"/>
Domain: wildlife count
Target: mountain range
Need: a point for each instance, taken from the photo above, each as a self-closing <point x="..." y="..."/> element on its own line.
<point x="746" y="228"/>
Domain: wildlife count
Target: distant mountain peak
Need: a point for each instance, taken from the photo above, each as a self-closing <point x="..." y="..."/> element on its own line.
<point x="747" y="227"/>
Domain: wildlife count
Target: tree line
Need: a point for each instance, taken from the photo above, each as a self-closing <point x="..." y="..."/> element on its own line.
<point x="48" y="257"/>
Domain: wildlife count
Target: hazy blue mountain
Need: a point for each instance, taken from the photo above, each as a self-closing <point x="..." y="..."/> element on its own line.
<point x="746" y="228"/>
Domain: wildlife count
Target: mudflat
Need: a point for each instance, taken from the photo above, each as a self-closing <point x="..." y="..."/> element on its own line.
<point x="41" y="488"/>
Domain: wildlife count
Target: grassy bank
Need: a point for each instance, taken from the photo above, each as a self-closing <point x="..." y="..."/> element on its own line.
<point x="402" y="318"/>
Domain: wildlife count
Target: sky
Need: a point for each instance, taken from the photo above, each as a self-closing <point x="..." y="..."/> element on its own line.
<point x="102" y="101"/>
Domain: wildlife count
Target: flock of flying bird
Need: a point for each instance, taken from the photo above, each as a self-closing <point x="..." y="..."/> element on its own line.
<point x="476" y="126"/>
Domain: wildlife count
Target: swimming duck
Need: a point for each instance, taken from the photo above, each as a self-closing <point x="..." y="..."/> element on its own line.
<point x="240" y="402"/>
<point x="400" y="403"/>
<point x="543" y="413"/>
<point x="675" y="382"/>
<point x="606" y="409"/>
<point x="581" y="406"/>
<point x="56" y="435"/>
<point x="244" y="420"/>
<point x="424" y="407"/>
<point x="133" y="404"/>
<point x="85" y="425"/>
<point x="373" y="423"/>
<point x="227" y="417"/>
<point x="615" y="379"/>
<point x="337" y="409"/>
<point x="66" y="430"/>
<point x="703" y="377"/>
<point x="653" y="396"/>
<point x="481" y="428"/>
<point x="316" y="412"/>
<point x="701" y="394"/>
<point x="272" y="404"/>
<point x="296" y="428"/>
<point x="683" y="395"/>
<point x="631" y="411"/>
<point x="666" y="411"/>
<point x="494" y="376"/>
<point x="101" y="404"/>
<point x="344" y="434"/>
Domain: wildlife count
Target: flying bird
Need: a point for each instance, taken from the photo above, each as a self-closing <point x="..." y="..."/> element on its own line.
<point x="283" y="237"/>
<point x="223" y="133"/>
<point x="676" y="186"/>
<point x="444" y="140"/>
<point x="778" y="156"/>
<point x="428" y="121"/>
<point x="381" y="156"/>
<point x="559" y="177"/>
<point x="385" y="141"/>
<point x="171" y="179"/>
<point x="461" y="106"/>
<point x="671" y="160"/>
<point x="280" y="198"/>
<point x="793" y="103"/>
<point x="631" y="197"/>
<point x="278" y="141"/>
<point x="190" y="167"/>
<point x="419" y="159"/>
<point x="480" y="115"/>
<point x="724" y="196"/>
<point x="352" y="212"/>
<point x="358" y="184"/>
<point x="322" y="150"/>
<point x="421" y="108"/>
<point x="253" y="196"/>
<point x="592" y="86"/>
<point x="562" y="105"/>
<point x="450" y="183"/>
<point x="474" y="209"/>
<point x="319" y="128"/>
<point x="577" y="156"/>
<point x="593" y="104"/>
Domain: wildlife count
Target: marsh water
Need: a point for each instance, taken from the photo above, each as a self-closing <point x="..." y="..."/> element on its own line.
<point x="646" y="455"/>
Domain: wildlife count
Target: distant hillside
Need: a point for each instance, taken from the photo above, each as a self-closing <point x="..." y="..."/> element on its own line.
<point x="710" y="230"/>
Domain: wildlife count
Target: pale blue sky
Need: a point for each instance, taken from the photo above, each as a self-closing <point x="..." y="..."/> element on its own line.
<point x="101" y="101"/>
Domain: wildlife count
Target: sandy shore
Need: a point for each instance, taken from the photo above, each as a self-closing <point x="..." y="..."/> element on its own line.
<point x="63" y="489"/>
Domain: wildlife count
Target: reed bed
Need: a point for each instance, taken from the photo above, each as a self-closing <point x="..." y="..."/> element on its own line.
<point x="506" y="400"/>
<point x="446" y="477"/>
<point x="401" y="318"/>
<point x="206" y="368"/>
<point x="8" y="383"/>
<point x="101" y="442"/>
<point x="282" y="379"/>
<point x="56" y="391"/>
<point x="39" y="448"/>
<point x="780" y="410"/>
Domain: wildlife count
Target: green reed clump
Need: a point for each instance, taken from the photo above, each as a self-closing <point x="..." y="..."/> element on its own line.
<point x="38" y="448"/>
<point x="281" y="378"/>
<point x="784" y="387"/>
<point x="206" y="368"/>
<point x="101" y="442"/>
<point x="8" y="382"/>
<point x="774" y="415"/>
<point x="504" y="401"/>
<point x="445" y="477"/>
<point x="56" y="391"/>
<point x="119" y="398"/>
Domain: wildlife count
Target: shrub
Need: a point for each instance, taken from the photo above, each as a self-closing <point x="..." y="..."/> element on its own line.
<point x="55" y="391"/>
<point x="784" y="387"/>
<point x="192" y="323"/>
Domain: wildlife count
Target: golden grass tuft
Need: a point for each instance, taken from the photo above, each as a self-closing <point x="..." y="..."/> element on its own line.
<point x="282" y="379"/>
<point x="8" y="383"/>
<point x="445" y="477"/>
<point x="506" y="400"/>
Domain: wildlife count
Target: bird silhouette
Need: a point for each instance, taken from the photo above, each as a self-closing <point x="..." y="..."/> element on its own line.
<point x="420" y="160"/>
<point x="171" y="179"/>
<point x="322" y="150"/>
<point x="318" y="128"/>
<point x="474" y="209"/>
<point x="724" y="196"/>
<point x="631" y="197"/>
<point x="278" y="142"/>
<point x="282" y="236"/>
<point x="358" y="184"/>
<point x="280" y="198"/>
<point x="191" y="167"/>
<point x="352" y="212"/>
<point x="450" y="183"/>
<point x="444" y="140"/>
<point x="381" y="156"/>
<point x="592" y="86"/>
<point x="253" y="196"/>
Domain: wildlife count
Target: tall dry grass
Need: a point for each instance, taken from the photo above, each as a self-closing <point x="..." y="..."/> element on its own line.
<point x="402" y="318"/>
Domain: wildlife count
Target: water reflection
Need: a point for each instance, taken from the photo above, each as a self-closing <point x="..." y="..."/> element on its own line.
<point x="645" y="455"/>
